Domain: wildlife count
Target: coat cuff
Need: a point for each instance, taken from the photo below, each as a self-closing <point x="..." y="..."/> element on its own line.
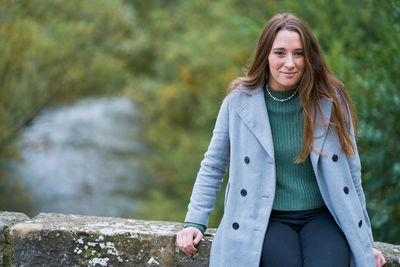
<point x="201" y="227"/>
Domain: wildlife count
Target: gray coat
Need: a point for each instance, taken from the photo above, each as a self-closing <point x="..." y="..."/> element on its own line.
<point x="242" y="137"/>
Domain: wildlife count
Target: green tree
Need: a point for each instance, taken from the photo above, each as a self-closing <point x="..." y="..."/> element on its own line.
<point x="56" y="51"/>
<point x="195" y="49"/>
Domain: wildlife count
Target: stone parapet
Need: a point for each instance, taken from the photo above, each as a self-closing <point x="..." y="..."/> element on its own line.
<point x="7" y="219"/>
<point x="52" y="239"/>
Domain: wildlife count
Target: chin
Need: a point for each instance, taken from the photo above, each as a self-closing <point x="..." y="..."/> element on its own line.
<point x="290" y="86"/>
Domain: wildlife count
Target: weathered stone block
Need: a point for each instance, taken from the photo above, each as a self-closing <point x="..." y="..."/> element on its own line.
<point x="7" y="219"/>
<point x="201" y="258"/>
<point x="390" y="252"/>
<point x="52" y="239"/>
<point x="67" y="240"/>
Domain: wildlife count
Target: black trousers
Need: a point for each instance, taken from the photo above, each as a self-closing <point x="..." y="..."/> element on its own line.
<point x="308" y="238"/>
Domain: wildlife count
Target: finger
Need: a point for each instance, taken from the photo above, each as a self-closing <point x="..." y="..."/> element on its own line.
<point x="199" y="236"/>
<point x="181" y="240"/>
<point x="192" y="247"/>
<point x="189" y="243"/>
<point x="178" y="240"/>
<point x="181" y="244"/>
<point x="379" y="261"/>
<point x="383" y="261"/>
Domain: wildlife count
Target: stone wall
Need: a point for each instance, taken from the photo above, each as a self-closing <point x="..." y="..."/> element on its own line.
<point x="51" y="239"/>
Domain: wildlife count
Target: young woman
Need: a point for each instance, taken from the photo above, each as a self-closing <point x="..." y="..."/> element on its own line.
<point x="294" y="195"/>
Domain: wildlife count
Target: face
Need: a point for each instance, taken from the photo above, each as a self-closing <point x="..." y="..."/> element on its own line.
<point x="286" y="61"/>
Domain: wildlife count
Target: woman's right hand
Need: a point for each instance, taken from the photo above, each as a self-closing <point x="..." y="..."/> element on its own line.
<point x="187" y="239"/>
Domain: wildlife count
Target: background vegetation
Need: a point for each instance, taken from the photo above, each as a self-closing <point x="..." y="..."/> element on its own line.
<point x="52" y="51"/>
<point x="176" y="58"/>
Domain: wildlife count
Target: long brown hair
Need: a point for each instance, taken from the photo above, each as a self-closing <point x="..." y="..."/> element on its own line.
<point x="317" y="82"/>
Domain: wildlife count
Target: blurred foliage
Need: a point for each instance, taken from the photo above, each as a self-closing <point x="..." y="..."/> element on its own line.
<point x="195" y="49"/>
<point x="378" y="102"/>
<point x="176" y="58"/>
<point x="53" y="51"/>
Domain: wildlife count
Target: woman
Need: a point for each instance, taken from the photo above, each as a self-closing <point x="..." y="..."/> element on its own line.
<point x="294" y="195"/>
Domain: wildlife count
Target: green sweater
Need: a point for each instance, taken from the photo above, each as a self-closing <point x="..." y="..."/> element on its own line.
<point x="296" y="185"/>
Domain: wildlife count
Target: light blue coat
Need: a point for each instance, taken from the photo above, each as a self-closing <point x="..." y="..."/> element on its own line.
<point x="242" y="130"/>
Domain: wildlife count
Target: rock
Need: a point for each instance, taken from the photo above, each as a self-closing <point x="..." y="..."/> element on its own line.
<point x="201" y="258"/>
<point x="68" y="240"/>
<point x="52" y="239"/>
<point x="7" y="219"/>
<point x="390" y="252"/>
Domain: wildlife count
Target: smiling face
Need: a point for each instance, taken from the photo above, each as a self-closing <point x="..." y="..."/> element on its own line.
<point x="286" y="61"/>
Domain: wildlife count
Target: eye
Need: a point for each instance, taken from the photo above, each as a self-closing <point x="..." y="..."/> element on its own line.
<point x="279" y="53"/>
<point x="299" y="54"/>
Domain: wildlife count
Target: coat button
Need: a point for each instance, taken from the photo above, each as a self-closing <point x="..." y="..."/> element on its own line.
<point x="346" y="190"/>
<point x="246" y="160"/>
<point x="335" y="157"/>
<point x="360" y="223"/>
<point x="243" y="192"/>
<point x="235" y="225"/>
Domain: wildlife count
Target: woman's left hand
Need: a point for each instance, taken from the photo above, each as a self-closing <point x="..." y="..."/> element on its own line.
<point x="379" y="259"/>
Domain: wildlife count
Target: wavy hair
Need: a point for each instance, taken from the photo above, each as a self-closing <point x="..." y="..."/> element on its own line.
<point x="316" y="83"/>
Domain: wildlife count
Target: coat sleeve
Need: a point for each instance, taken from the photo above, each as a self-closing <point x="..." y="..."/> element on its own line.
<point x="212" y="169"/>
<point x="355" y="169"/>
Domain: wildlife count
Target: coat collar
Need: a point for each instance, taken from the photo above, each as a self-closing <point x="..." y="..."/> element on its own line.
<point x="254" y="114"/>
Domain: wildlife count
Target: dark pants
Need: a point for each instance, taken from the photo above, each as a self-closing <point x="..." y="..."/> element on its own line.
<point x="308" y="238"/>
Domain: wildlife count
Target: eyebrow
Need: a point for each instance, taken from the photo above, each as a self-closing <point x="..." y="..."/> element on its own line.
<point x="281" y="48"/>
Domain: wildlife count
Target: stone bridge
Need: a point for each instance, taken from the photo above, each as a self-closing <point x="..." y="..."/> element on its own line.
<point x="52" y="239"/>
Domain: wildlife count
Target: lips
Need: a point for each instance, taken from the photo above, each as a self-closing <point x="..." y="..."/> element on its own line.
<point x="288" y="74"/>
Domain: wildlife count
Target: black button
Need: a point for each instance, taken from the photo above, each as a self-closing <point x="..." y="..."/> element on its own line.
<point x="335" y="157"/>
<point x="360" y="223"/>
<point x="243" y="192"/>
<point x="235" y="225"/>
<point x="246" y="160"/>
<point x="346" y="190"/>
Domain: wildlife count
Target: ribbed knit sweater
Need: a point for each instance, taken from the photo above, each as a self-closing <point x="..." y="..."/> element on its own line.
<point x="296" y="185"/>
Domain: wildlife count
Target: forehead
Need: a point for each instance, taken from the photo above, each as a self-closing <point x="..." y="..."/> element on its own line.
<point x="287" y="39"/>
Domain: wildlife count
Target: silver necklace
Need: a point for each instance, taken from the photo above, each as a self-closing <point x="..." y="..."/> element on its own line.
<point x="281" y="100"/>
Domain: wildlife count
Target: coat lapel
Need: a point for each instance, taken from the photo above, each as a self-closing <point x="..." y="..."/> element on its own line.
<point x="321" y="128"/>
<point x="254" y="114"/>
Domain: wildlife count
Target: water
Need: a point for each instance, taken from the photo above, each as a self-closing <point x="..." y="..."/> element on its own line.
<point x="83" y="159"/>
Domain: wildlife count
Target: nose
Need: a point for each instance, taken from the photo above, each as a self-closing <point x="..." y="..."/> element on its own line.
<point x="289" y="62"/>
